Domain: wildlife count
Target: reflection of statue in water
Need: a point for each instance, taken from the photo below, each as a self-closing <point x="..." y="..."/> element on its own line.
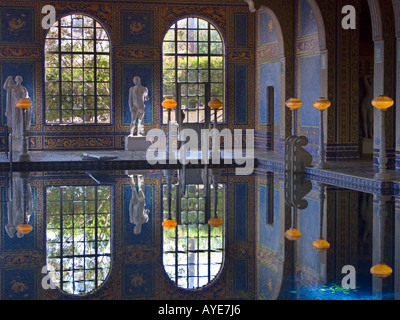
<point x="16" y="91"/>
<point x="137" y="96"/>
<point x="367" y="109"/>
<point x="16" y="206"/>
<point x="138" y="215"/>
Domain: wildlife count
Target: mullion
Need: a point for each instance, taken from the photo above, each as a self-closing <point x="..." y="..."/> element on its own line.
<point x="96" y="236"/>
<point x="73" y="239"/>
<point x="95" y="73"/>
<point x="59" y="74"/>
<point x="84" y="232"/>
<point x="187" y="255"/>
<point x="198" y="240"/>
<point x="61" y="241"/>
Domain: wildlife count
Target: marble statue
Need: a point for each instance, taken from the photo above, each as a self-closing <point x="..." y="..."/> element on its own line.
<point x="138" y="94"/>
<point x="16" y="91"/>
<point x="16" y="206"/>
<point x="138" y="215"/>
<point x="367" y="108"/>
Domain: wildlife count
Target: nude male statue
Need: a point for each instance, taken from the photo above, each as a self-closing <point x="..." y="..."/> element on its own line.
<point x="138" y="94"/>
<point x="138" y="215"/>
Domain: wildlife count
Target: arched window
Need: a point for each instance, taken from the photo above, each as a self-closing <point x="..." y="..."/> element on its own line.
<point x="193" y="69"/>
<point x="193" y="251"/>
<point x="78" y="235"/>
<point x="77" y="71"/>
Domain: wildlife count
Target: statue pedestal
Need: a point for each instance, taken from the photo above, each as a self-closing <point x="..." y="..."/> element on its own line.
<point x="136" y="143"/>
<point x="16" y="144"/>
<point x="367" y="146"/>
<point x="136" y="172"/>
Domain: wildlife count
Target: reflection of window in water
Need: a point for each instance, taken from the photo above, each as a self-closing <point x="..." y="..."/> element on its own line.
<point x="193" y="251"/>
<point x="78" y="236"/>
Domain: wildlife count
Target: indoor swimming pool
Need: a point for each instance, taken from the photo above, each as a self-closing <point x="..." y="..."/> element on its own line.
<point x="203" y="233"/>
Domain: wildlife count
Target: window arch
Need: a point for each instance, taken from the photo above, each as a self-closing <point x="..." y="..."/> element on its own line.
<point x="78" y="235"/>
<point x="77" y="72"/>
<point x="193" y="68"/>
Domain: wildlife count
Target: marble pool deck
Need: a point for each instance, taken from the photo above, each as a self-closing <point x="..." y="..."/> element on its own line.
<point x="357" y="175"/>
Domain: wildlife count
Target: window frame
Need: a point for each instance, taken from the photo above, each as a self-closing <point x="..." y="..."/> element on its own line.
<point x="60" y="231"/>
<point x="182" y="230"/>
<point x="97" y="25"/>
<point x="211" y="26"/>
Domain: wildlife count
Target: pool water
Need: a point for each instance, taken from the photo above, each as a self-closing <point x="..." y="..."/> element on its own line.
<point x="102" y="234"/>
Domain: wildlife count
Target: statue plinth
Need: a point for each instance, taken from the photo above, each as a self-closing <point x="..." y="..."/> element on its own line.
<point x="367" y="146"/>
<point x="136" y="172"/>
<point x="136" y="143"/>
<point x="16" y="144"/>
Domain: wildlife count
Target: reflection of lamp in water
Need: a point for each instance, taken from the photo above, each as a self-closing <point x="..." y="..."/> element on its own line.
<point x="169" y="223"/>
<point x="380" y="269"/>
<point x="292" y="234"/>
<point x="215" y="221"/>
<point x="168" y="104"/>
<point x="321" y="104"/>
<point x="321" y="244"/>
<point x="24" y="104"/>
<point x="24" y="228"/>
<point x="293" y="104"/>
<point x="382" y="103"/>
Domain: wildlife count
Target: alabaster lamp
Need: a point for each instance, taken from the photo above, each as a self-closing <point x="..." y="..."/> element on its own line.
<point x="293" y="104"/>
<point x="382" y="103"/>
<point x="321" y="244"/>
<point x="169" y="223"/>
<point x="292" y="234"/>
<point x="24" y="104"/>
<point x="25" y="227"/>
<point x="321" y="104"/>
<point x="381" y="270"/>
<point x="168" y="104"/>
<point x="215" y="105"/>
<point x="215" y="221"/>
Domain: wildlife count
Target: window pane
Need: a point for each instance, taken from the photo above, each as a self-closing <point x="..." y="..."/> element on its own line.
<point x="52" y="87"/>
<point x="181" y="35"/>
<point x="170" y="35"/>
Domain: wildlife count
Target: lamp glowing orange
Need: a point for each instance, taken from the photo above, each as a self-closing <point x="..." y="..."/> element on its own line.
<point x="215" y="104"/>
<point x="169" y="103"/>
<point x="23" y="103"/>
<point x="381" y="270"/>
<point x="294" y="103"/>
<point x="382" y="102"/>
<point x="321" y="103"/>
<point x="169" y="224"/>
<point x="321" y="245"/>
<point x="215" y="222"/>
<point x="292" y="234"/>
<point x="24" y="228"/>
